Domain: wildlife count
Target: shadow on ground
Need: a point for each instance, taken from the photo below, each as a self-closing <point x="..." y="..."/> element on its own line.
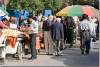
<point x="73" y="57"/>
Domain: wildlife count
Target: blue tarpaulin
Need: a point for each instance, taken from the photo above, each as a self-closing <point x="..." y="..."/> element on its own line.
<point x="25" y="14"/>
<point x="1" y="17"/>
<point x="18" y="13"/>
<point x="47" y="12"/>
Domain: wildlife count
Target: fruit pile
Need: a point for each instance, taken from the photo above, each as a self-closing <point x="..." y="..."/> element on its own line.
<point x="10" y="32"/>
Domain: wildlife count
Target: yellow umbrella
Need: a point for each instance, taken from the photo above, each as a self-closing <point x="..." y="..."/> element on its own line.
<point x="63" y="12"/>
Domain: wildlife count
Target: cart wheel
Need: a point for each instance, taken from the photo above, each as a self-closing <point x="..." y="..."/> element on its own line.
<point x="20" y="51"/>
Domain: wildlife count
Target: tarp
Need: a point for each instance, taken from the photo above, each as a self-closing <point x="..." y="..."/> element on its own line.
<point x="47" y="12"/>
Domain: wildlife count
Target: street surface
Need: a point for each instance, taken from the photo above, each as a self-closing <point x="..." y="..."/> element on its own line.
<point x="71" y="57"/>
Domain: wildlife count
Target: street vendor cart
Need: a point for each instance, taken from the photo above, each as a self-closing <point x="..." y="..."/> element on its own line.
<point x="10" y="43"/>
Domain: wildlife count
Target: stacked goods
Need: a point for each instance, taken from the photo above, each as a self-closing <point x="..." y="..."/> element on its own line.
<point x="28" y="30"/>
<point x="10" y="32"/>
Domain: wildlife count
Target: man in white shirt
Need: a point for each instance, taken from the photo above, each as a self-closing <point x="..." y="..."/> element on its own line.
<point x="33" y="34"/>
<point x="85" y="34"/>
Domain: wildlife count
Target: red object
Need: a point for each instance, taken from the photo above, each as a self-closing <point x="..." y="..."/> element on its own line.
<point x="12" y="41"/>
<point x="38" y="42"/>
<point x="88" y="10"/>
<point x="0" y="34"/>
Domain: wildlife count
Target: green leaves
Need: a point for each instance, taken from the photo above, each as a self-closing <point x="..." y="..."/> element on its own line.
<point x="24" y="4"/>
<point x="39" y="5"/>
<point x="36" y="5"/>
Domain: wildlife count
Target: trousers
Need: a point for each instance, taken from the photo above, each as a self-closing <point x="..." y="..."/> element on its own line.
<point x="57" y="46"/>
<point x="33" y="45"/>
<point x="48" y="42"/>
<point x="85" y="40"/>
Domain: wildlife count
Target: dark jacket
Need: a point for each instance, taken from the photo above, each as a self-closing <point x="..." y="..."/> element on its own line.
<point x="57" y="31"/>
<point x="47" y="25"/>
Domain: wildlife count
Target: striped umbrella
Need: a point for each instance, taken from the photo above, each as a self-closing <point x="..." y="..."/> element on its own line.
<point x="64" y="11"/>
<point x="78" y="10"/>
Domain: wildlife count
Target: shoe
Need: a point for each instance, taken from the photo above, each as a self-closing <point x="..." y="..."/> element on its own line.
<point x="87" y="53"/>
<point x="70" y="46"/>
<point x="60" y="52"/>
<point x="55" y="53"/>
<point x="49" y="54"/>
<point x="32" y="58"/>
<point x="60" y="55"/>
<point x="82" y="53"/>
<point x="26" y="52"/>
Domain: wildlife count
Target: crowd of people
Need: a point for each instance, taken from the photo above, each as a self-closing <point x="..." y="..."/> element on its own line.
<point x="54" y="32"/>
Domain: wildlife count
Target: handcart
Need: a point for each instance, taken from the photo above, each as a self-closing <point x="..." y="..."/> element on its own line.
<point x="7" y="48"/>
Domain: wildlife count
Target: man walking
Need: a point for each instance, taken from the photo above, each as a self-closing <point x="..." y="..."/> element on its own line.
<point x="85" y="34"/>
<point x="57" y="35"/>
<point x="47" y="35"/>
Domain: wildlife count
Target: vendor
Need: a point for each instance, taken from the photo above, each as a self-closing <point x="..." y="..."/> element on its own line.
<point x="4" y="23"/>
<point x="13" y="22"/>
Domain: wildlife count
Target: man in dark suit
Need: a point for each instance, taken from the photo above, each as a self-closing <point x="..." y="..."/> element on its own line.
<point x="57" y="35"/>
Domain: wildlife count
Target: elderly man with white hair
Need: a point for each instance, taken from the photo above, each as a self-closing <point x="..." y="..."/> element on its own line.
<point x="57" y="32"/>
<point x="47" y="35"/>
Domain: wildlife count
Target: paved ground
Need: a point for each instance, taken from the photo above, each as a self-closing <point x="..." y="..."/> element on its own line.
<point x="71" y="57"/>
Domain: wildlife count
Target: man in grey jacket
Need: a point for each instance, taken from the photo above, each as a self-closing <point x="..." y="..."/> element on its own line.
<point x="57" y="35"/>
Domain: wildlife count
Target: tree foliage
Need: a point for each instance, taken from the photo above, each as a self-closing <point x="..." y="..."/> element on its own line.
<point x="39" y="5"/>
